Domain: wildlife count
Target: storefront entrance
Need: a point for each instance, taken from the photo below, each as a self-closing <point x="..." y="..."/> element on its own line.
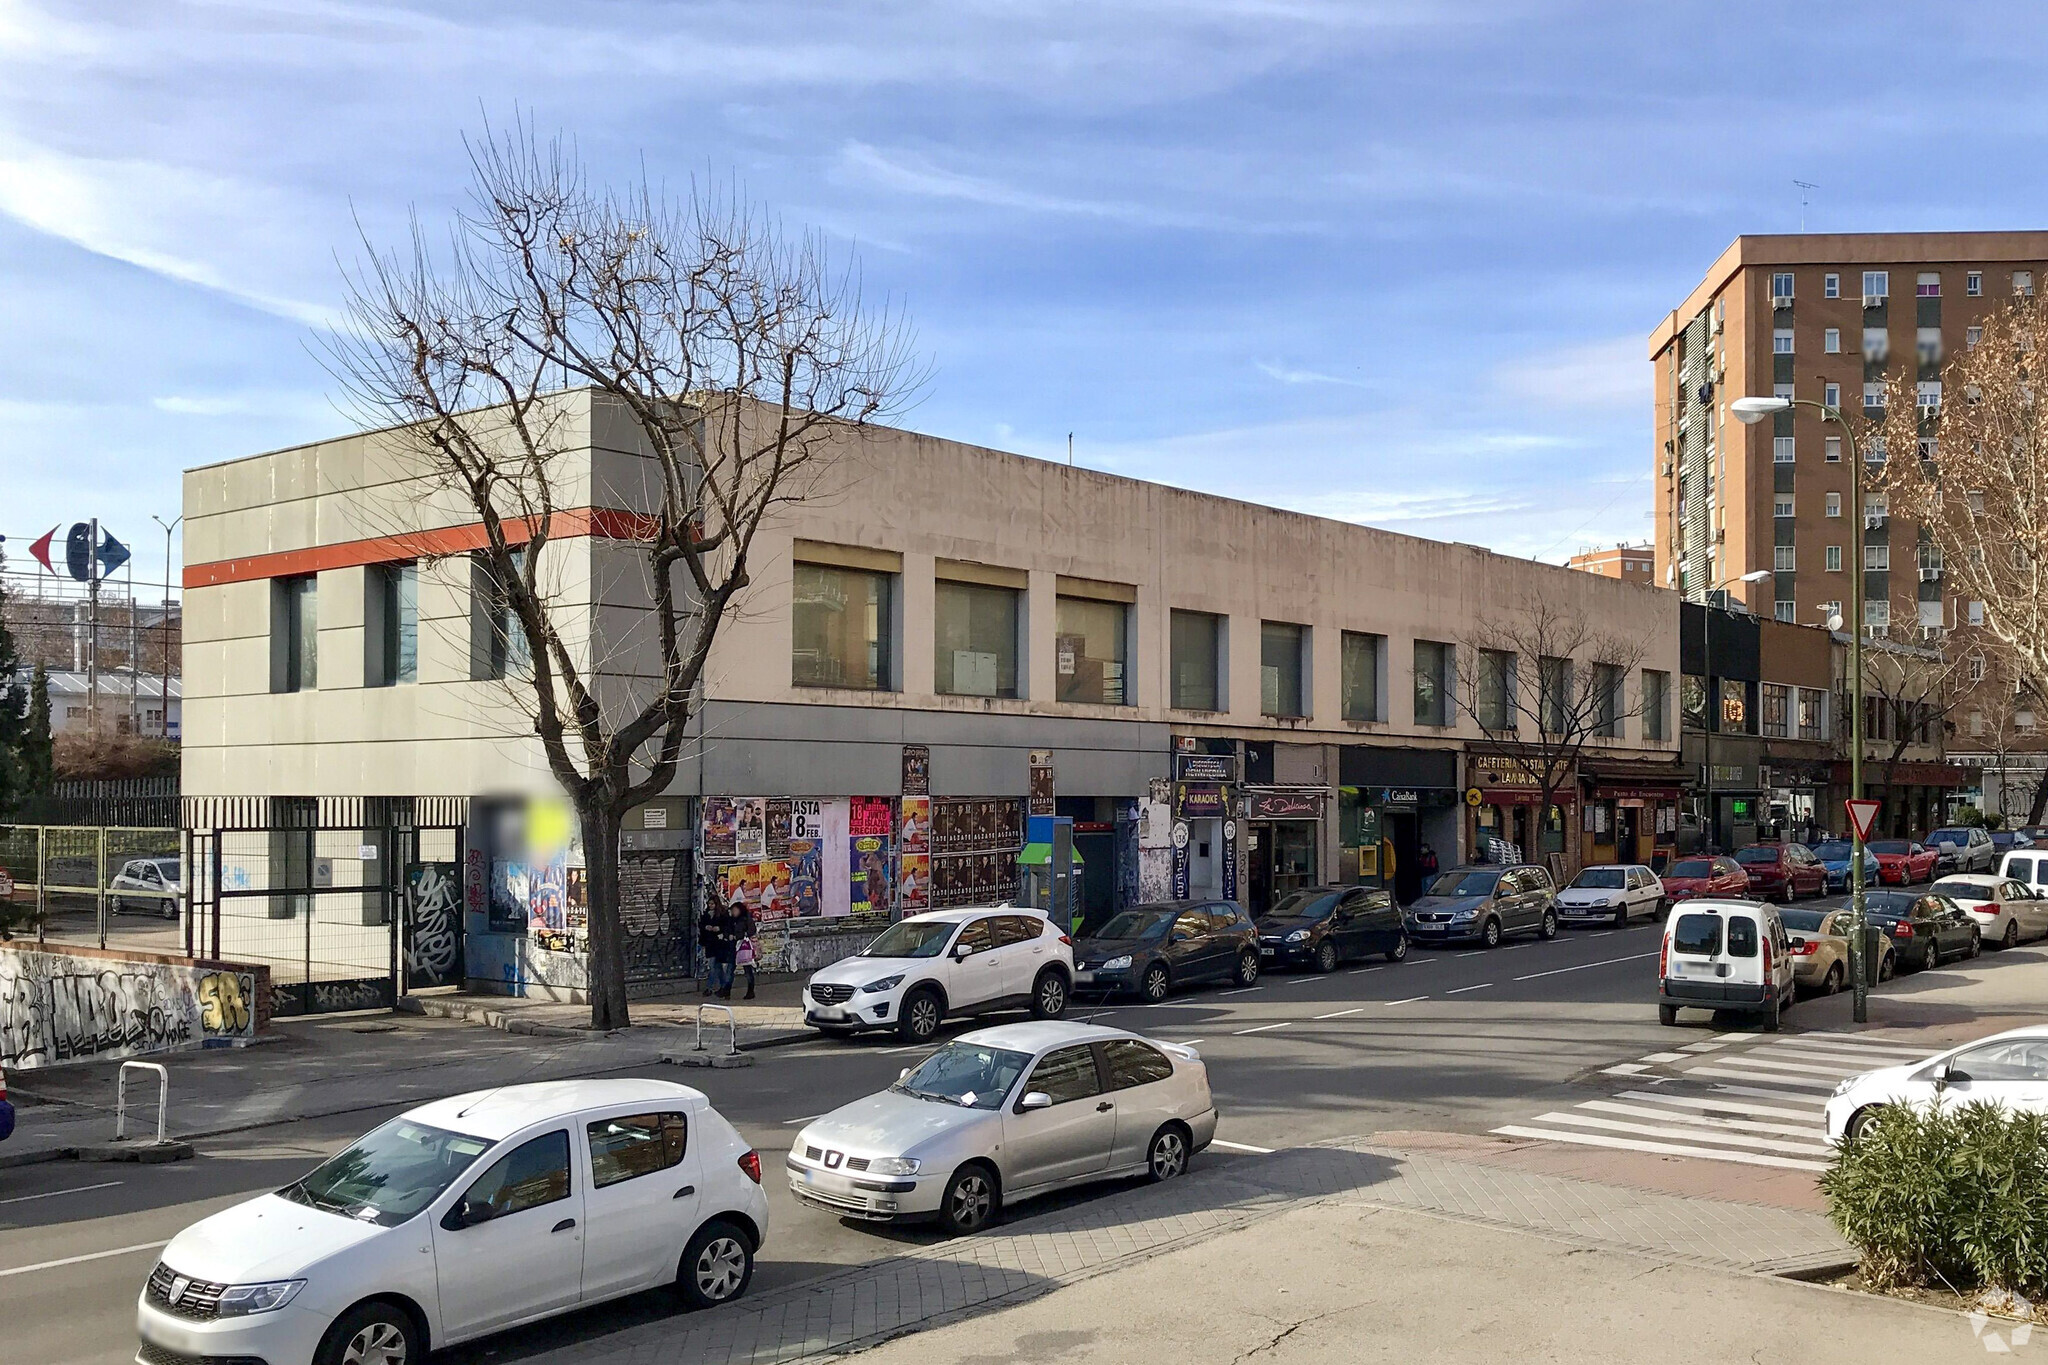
<point x="1282" y="858"/>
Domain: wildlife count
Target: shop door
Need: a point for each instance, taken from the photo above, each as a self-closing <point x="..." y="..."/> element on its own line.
<point x="1404" y="832"/>
<point x="1625" y="850"/>
<point x="1259" y="869"/>
<point x="1098" y="877"/>
<point x="1294" y="856"/>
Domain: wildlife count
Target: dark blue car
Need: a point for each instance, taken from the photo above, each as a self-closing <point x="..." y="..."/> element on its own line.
<point x="6" y="1111"/>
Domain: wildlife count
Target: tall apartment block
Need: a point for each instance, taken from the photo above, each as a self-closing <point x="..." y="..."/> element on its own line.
<point x="1828" y="317"/>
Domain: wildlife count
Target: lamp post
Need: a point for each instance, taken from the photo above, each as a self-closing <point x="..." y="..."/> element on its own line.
<point x="1707" y="701"/>
<point x="1750" y="411"/>
<point x="165" y="696"/>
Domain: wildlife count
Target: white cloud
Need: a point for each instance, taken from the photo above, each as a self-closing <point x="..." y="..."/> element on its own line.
<point x="1602" y="374"/>
<point x="1288" y="375"/>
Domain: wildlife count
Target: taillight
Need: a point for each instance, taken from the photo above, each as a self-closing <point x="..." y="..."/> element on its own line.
<point x="1804" y="948"/>
<point x="1664" y="957"/>
<point x="1067" y="939"/>
<point x="1902" y="930"/>
<point x="750" y="1162"/>
<point x="1767" y="959"/>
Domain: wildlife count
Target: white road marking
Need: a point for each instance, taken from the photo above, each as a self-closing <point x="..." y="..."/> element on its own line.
<point x="1662" y="1148"/>
<point x="1460" y="990"/>
<point x="1659" y="1111"/>
<point x="1241" y="990"/>
<point x="78" y="1260"/>
<point x="1624" y="1069"/>
<point x="1187" y="1042"/>
<point x="1771" y="1063"/>
<point x="1291" y="980"/>
<point x="1604" y="962"/>
<point x="1474" y="953"/>
<point x="1240" y="1147"/>
<point x="1703" y="1047"/>
<point x="1781" y="1096"/>
<point x="1721" y="1105"/>
<point x="1857" y="1039"/>
<point x="1662" y="1057"/>
<point x="1732" y="1073"/>
<point x="52" y="1194"/>
<point x="791" y="1123"/>
<point x="1356" y="970"/>
<point x="1338" y="1015"/>
<point x="1831" y="1052"/>
<point x="1261" y="1028"/>
<point x="1687" y="1134"/>
<point x="1409" y="1001"/>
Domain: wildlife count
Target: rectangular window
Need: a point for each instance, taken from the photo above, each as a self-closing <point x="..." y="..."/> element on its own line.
<point x="1834" y="559"/>
<point x="1877" y="344"/>
<point x="1360" y="683"/>
<point x="1777" y="711"/>
<point x="394" y="616"/>
<point x="1092" y="653"/>
<point x="1831" y="394"/>
<point x="1831" y="341"/>
<point x="974" y="639"/>
<point x="1782" y="448"/>
<point x="1831" y="286"/>
<point x="1927" y="345"/>
<point x="1782" y="558"/>
<point x="1495" y="711"/>
<point x="1973" y="283"/>
<point x="1281" y="647"/>
<point x="1877" y="285"/>
<point x="1832" y="451"/>
<point x="1976" y="613"/>
<point x="1656" y="705"/>
<point x="1554" y="704"/>
<point x="1929" y="285"/>
<point x="498" y="647"/>
<point x="1929" y="396"/>
<point x="1781" y="341"/>
<point x="1197" y="658"/>
<point x="1834" y="504"/>
<point x="1972" y="335"/>
<point x="1607" y="700"/>
<point x="2023" y="282"/>
<point x="1876" y="507"/>
<point x="1927" y="448"/>
<point x="1873" y="395"/>
<point x="1781" y="504"/>
<point x="1785" y="611"/>
<point x="1877" y="558"/>
<point x="1874" y="450"/>
<point x="1930" y="558"/>
<point x="1781" y="285"/>
<point x="1432" y="683"/>
<point x="1877" y="614"/>
<point x="295" y="633"/>
<point x="1782" y="391"/>
<point x="843" y="628"/>
<point x="1830" y="609"/>
<point x="1813" y="723"/>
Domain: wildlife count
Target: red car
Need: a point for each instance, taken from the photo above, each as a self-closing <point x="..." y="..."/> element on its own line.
<point x="1901" y="862"/>
<point x="1716" y="876"/>
<point x="1782" y="872"/>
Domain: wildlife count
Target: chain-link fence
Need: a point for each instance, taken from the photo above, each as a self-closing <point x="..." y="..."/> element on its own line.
<point x="106" y="885"/>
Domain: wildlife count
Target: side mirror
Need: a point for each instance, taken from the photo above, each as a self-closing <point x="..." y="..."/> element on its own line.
<point x="467" y="1213"/>
<point x="1941" y="1076"/>
<point x="904" y="1074"/>
<point x="962" y="951"/>
<point x="1036" y="1099"/>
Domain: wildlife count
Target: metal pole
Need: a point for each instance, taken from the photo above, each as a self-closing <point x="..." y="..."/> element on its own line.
<point x="92" y="660"/>
<point x="165" y="695"/>
<point x="1858" y="948"/>
<point x="1707" y="718"/>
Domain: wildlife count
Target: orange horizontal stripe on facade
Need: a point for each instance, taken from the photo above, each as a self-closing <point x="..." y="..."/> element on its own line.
<point x="606" y="523"/>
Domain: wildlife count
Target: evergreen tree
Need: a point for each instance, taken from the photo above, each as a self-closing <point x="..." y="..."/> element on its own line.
<point x="38" y="760"/>
<point x="13" y="713"/>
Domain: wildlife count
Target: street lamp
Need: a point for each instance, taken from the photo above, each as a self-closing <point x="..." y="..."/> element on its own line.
<point x="1707" y="702"/>
<point x="165" y="696"/>
<point x="1750" y="411"/>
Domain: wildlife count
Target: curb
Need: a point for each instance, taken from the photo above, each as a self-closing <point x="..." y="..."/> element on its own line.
<point x="508" y="1021"/>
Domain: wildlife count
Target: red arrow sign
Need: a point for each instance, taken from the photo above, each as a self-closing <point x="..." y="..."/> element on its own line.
<point x="1862" y="814"/>
<point x="41" y="550"/>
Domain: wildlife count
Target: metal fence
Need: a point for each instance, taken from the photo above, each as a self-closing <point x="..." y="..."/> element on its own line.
<point x="108" y="885"/>
<point x="136" y="802"/>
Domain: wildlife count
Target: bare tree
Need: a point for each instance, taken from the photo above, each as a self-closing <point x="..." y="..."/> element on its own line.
<point x="1542" y="684"/>
<point x="2000" y="707"/>
<point x="740" y="357"/>
<point x="1909" y="695"/>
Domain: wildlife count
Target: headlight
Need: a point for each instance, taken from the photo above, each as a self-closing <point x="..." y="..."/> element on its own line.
<point x="1117" y="963"/>
<point x="1298" y="936"/>
<point x="887" y="983"/>
<point x="1460" y="914"/>
<point x="893" y="1165"/>
<point x="1847" y="1081"/>
<point x="240" y="1300"/>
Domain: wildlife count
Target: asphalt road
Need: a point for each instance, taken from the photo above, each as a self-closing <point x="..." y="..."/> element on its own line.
<point x="1458" y="1039"/>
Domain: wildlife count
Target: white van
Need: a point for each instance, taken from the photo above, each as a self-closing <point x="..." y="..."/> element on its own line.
<point x="1725" y="955"/>
<point x="2028" y="867"/>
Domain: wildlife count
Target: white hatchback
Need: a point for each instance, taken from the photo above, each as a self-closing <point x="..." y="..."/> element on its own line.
<point x="2007" y="1069"/>
<point x="1615" y="893"/>
<point x="588" y="1190"/>
<point x="2006" y="911"/>
<point x="946" y="962"/>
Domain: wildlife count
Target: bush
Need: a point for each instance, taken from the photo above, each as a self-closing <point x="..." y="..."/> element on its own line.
<point x="1956" y="1196"/>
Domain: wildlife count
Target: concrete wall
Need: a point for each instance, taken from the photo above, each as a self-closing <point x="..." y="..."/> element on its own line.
<point x="84" y="1004"/>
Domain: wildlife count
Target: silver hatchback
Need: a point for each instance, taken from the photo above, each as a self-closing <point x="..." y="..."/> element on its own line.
<point x="1002" y="1114"/>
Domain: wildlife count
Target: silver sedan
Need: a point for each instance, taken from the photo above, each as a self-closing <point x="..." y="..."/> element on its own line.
<point x="1002" y="1114"/>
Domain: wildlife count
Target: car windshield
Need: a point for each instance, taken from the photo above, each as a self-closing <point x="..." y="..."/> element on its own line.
<point x="911" y="938"/>
<point x="1885" y="905"/>
<point x="1955" y="888"/>
<point x="1804" y="921"/>
<point x="1602" y="879"/>
<point x="968" y="1074"/>
<point x="1949" y="836"/>
<point x="1757" y="855"/>
<point x="1137" y="924"/>
<point x="1697" y="935"/>
<point x="1692" y="867"/>
<point x="1464" y="884"/>
<point x="1313" y="904"/>
<point x="1832" y="852"/>
<point x="389" y="1175"/>
<point x="1888" y="847"/>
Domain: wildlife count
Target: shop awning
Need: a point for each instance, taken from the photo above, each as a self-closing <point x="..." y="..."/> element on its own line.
<point x="1040" y="855"/>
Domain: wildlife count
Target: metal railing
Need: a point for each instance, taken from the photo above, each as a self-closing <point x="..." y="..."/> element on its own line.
<point x="71" y="872"/>
<point x="163" y="1098"/>
<point x="732" y="1026"/>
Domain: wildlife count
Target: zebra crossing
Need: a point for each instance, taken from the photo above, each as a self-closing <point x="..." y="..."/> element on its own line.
<point x="1735" y="1098"/>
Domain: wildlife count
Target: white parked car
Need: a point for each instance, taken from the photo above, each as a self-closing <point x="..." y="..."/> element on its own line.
<point x="1726" y="955"/>
<point x="924" y="968"/>
<point x="1616" y="892"/>
<point x="159" y="882"/>
<point x="2008" y="1069"/>
<point x="466" y="1216"/>
<point x="2006" y="911"/>
<point x="1001" y="1114"/>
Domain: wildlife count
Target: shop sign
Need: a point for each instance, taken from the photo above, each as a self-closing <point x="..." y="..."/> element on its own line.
<point x="1230" y="860"/>
<point x="1180" y="860"/>
<point x="1400" y="798"/>
<point x="917" y="770"/>
<point x="1220" y="768"/>
<point x="1734" y="775"/>
<point x="1496" y="770"/>
<point x="1199" y="801"/>
<point x="1284" y="805"/>
<point x="1638" y="795"/>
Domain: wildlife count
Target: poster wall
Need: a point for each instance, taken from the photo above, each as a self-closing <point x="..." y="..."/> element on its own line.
<point x="870" y="827"/>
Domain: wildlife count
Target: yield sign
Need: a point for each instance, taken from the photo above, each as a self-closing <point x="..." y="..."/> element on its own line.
<point x="1862" y="811"/>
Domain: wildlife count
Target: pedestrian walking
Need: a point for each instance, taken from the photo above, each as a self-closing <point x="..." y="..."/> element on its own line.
<point x="1426" y="861"/>
<point x="715" y="936"/>
<point x="745" y="949"/>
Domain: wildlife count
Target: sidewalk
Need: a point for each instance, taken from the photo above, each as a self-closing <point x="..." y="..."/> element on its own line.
<point x="774" y="1016"/>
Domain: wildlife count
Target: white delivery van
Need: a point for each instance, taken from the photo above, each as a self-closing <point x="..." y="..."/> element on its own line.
<point x="2027" y="866"/>
<point x="1725" y="955"/>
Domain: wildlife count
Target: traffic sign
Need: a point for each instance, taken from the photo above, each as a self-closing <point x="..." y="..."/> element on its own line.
<point x="1862" y="813"/>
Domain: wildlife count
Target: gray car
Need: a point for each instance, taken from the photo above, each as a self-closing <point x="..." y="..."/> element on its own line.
<point x="1002" y="1114"/>
<point x="1485" y="903"/>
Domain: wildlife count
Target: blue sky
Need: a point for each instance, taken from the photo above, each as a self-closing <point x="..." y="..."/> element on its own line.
<point x="1388" y="261"/>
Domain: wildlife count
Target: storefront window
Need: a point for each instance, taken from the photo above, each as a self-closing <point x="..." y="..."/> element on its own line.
<point x="1197" y="650"/>
<point x="1092" y="651"/>
<point x="841" y="628"/>
<point x="1432" y="683"/>
<point x="1361" y="680"/>
<point x="974" y="629"/>
<point x="1734" y="715"/>
<point x="1281" y="647"/>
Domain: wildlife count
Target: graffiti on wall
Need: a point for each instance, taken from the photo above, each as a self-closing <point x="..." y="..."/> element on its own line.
<point x="55" y="1007"/>
<point x="433" y="925"/>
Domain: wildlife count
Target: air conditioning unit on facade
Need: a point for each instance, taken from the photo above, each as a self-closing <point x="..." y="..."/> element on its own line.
<point x="1873" y="520"/>
<point x="1873" y="300"/>
<point x="1878" y="632"/>
<point x="1930" y="575"/>
<point x="1781" y="300"/>
<point x="1667" y="468"/>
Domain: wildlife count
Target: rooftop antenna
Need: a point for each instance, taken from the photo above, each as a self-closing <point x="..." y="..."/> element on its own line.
<point x="1805" y="186"/>
<point x="1070" y="450"/>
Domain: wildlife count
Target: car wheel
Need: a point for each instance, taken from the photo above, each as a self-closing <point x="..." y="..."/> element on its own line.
<point x="717" y="1266"/>
<point x="1049" y="995"/>
<point x="970" y="1199"/>
<point x="1621" y="916"/>
<point x="373" y="1333"/>
<point x="114" y="906"/>
<point x="170" y="909"/>
<point x="1155" y="985"/>
<point x="1667" y="1015"/>
<point x="1399" y="950"/>
<point x="1860" y="1121"/>
<point x="1168" y="1155"/>
<point x="1326" y="956"/>
<point x="1772" y="1013"/>
<point x="1247" y="967"/>
<point x="1887" y="967"/>
<point x="1547" y="926"/>
<point x="2011" y="937"/>
<point x="919" y="1021"/>
<point x="1976" y="945"/>
<point x="1489" y="932"/>
<point x="1832" y="982"/>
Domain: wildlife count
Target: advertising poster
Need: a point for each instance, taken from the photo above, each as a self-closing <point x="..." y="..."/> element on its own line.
<point x="547" y="895"/>
<point x="914" y="883"/>
<point x="915" y="835"/>
<point x="868" y="874"/>
<point x="781" y="815"/>
<point x="576" y="885"/>
<point x="806" y="820"/>
<point x="869" y="816"/>
<point x="917" y="770"/>
<point x="721" y="827"/>
<point x="805" y="876"/>
<point x="508" y="896"/>
<point x="1230" y="860"/>
<point x="750" y="828"/>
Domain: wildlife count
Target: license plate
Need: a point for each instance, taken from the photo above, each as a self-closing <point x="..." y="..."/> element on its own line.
<point x="169" y="1338"/>
<point x="1265" y="952"/>
<point x="1082" y="977"/>
<point x="830" y="1012"/>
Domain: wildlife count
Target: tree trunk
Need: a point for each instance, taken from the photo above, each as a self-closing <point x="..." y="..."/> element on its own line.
<point x="2040" y="801"/>
<point x="607" y="945"/>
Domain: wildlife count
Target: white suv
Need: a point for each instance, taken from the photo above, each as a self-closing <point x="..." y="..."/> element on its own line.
<point x="925" y="967"/>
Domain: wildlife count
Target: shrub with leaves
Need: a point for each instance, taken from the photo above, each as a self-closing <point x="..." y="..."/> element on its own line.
<point x="1956" y="1196"/>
